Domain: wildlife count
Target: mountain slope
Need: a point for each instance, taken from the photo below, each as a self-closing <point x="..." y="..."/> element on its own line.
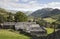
<point x="45" y="12"/>
<point x="40" y="13"/>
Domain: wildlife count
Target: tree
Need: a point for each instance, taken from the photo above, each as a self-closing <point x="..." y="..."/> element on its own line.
<point x="58" y="23"/>
<point x="20" y="17"/>
<point x="41" y="22"/>
<point x="2" y="19"/>
<point x="10" y="17"/>
<point x="58" y="20"/>
<point x="54" y="25"/>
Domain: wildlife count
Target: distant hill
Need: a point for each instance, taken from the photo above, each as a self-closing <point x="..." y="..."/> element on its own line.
<point x="13" y="11"/>
<point x="4" y="11"/>
<point x="45" y="12"/>
<point x="26" y="12"/>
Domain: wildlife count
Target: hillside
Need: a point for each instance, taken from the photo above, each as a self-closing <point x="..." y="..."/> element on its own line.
<point x="50" y="20"/>
<point x="5" y="34"/>
<point x="3" y="12"/>
<point x="56" y="16"/>
<point x="45" y="12"/>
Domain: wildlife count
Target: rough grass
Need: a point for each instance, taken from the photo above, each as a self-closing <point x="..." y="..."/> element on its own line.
<point x="5" y="34"/>
<point x="49" y="30"/>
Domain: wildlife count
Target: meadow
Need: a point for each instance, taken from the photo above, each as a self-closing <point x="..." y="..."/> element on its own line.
<point x="49" y="30"/>
<point x="6" y="34"/>
<point x="50" y="20"/>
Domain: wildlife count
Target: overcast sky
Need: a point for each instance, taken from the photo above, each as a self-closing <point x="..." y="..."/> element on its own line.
<point x="29" y="5"/>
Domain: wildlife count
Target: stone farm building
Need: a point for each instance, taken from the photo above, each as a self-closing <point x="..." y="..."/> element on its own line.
<point x="28" y="27"/>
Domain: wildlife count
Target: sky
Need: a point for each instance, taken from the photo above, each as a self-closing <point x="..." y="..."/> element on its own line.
<point x="29" y="5"/>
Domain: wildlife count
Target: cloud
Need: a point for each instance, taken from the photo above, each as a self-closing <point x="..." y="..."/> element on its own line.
<point x="24" y="0"/>
<point x="53" y="5"/>
<point x="31" y="5"/>
<point x="19" y="6"/>
<point x="32" y="2"/>
<point x="9" y="0"/>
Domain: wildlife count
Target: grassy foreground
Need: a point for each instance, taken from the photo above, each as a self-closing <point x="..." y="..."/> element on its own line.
<point x="5" y="34"/>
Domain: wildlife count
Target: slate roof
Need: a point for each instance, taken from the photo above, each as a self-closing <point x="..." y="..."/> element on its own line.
<point x="18" y="23"/>
<point x="32" y="26"/>
<point x="36" y="27"/>
<point x="24" y="24"/>
<point x="9" y="23"/>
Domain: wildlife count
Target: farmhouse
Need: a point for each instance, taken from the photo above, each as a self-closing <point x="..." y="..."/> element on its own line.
<point x="23" y="25"/>
<point x="8" y="25"/>
<point x="28" y="27"/>
<point x="31" y="28"/>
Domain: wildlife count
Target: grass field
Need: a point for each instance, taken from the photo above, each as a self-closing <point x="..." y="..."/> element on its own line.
<point x="50" y="20"/>
<point x="5" y="34"/>
<point x="49" y="30"/>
